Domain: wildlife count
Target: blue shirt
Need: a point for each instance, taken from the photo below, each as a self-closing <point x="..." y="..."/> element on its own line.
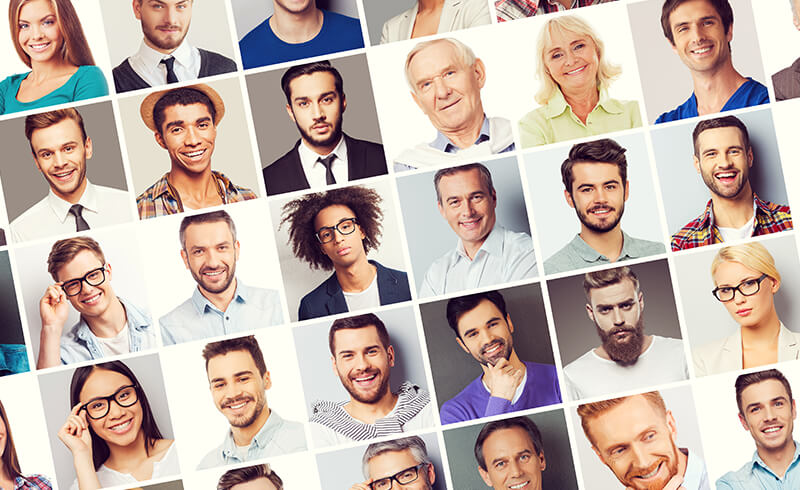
<point x="13" y="359"/>
<point x="198" y="318"/>
<point x="442" y="142"/>
<point x="262" y="47"/>
<point x="86" y="83"/>
<point x="749" y="94"/>
<point x="756" y="474"/>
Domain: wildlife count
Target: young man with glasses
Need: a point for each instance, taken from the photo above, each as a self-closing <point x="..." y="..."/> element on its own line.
<point x="402" y="463"/>
<point x="335" y="230"/>
<point x="108" y="324"/>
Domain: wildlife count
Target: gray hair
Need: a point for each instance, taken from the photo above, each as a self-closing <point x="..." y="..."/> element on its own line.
<point x="464" y="53"/>
<point x="414" y="444"/>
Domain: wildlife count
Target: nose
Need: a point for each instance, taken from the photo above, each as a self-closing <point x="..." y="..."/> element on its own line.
<point x="441" y="87"/>
<point x="738" y="297"/>
<point x="114" y="410"/>
<point x="213" y="258"/>
<point x="171" y="16"/>
<point x="60" y="159"/>
<point x="769" y="413"/>
<point x="515" y="468"/>
<point x="617" y="317"/>
<point x="639" y="456"/>
<point x="316" y="112"/>
<point x="192" y="136"/>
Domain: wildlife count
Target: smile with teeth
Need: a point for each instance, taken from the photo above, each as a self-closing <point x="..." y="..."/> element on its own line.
<point x="39" y="47"/>
<point x="702" y="50"/>
<point x="194" y="154"/>
<point x="365" y="379"/>
<point x="492" y="349"/>
<point x="92" y="300"/>
<point x="576" y="70"/>
<point x="213" y="273"/>
<point x="470" y="224"/>
<point x="651" y="474"/>
<point x="64" y="175"/>
<point x="726" y="175"/>
<point x="121" y="427"/>
<point x="519" y="485"/>
<point x="770" y="430"/>
<point x="601" y="210"/>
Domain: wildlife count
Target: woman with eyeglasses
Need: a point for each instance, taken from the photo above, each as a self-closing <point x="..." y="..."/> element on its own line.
<point x="11" y="475"/>
<point x="746" y="281"/>
<point x="111" y="431"/>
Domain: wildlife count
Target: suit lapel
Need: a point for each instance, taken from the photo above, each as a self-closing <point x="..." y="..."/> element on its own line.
<point x="448" y="18"/>
<point x="355" y="159"/>
<point x="295" y="172"/>
<point x="335" y="302"/>
<point x="387" y="285"/>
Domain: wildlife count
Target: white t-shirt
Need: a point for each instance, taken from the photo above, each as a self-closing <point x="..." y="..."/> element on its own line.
<point x="168" y="466"/>
<point x="367" y="298"/>
<point x="745" y="231"/>
<point x="119" y="344"/>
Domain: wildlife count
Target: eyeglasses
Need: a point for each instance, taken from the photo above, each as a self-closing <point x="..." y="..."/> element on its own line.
<point x="98" y="408"/>
<point x="94" y="277"/>
<point x="404" y="477"/>
<point x="344" y="227"/>
<point x="747" y="288"/>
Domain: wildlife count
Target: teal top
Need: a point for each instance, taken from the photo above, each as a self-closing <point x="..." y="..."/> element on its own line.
<point x="555" y="120"/>
<point x="85" y="83"/>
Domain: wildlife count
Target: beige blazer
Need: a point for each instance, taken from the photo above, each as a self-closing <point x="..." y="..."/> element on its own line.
<point x="456" y="14"/>
<point x="726" y="354"/>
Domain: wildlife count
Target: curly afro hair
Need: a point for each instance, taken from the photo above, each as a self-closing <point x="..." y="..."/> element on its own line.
<point x="300" y="214"/>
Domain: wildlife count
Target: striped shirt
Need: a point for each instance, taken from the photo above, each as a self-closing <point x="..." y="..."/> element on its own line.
<point x="517" y="9"/>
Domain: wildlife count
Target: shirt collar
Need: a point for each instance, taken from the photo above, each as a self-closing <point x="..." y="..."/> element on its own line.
<point x="760" y="462"/>
<point x="260" y="440"/>
<point x="224" y="186"/>
<point x="758" y="204"/>
<point x="152" y="58"/>
<point x="61" y="207"/>
<point x="443" y="143"/>
<point x="135" y="321"/>
<point x="558" y="104"/>
<point x="493" y="245"/>
<point x="308" y="157"/>
<point x="695" y="472"/>
<point x="202" y="304"/>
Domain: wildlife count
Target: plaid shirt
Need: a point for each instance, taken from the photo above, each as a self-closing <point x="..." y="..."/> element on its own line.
<point x="770" y="218"/>
<point x="517" y="9"/>
<point x="32" y="482"/>
<point x="161" y="198"/>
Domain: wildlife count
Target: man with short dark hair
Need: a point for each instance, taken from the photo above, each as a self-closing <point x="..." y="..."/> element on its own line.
<point x="324" y="155"/>
<point x="510" y="454"/>
<point x="403" y="462"/>
<point x="258" y="477"/>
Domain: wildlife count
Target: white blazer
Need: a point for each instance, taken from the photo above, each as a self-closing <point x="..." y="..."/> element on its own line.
<point x="726" y="354"/>
<point x="456" y="14"/>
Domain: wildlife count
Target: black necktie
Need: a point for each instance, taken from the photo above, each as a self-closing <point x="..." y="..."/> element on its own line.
<point x="169" y="62"/>
<point x="328" y="162"/>
<point x="80" y="223"/>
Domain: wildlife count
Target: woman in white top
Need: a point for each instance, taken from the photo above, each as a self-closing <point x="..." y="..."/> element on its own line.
<point x="428" y="17"/>
<point x="111" y="431"/>
<point x="746" y="281"/>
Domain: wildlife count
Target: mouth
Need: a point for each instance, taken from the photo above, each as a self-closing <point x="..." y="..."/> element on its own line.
<point x="194" y="155"/>
<point x="321" y="127"/>
<point x="702" y="50"/>
<point x="726" y="176"/>
<point x="471" y="224"/>
<point x="343" y="251"/>
<point x="744" y="312"/>
<point x="365" y="380"/>
<point x="238" y="405"/>
<point x="92" y="300"/>
<point x="39" y="47"/>
<point x="652" y="474"/>
<point x="771" y="430"/>
<point x="601" y="211"/>
<point x="517" y="486"/>
<point x="168" y="29"/>
<point x="122" y="427"/>
<point x="64" y="176"/>
<point x="493" y="349"/>
<point x="450" y="104"/>
<point x="576" y="71"/>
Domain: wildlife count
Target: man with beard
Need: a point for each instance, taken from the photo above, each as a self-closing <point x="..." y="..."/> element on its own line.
<point x="723" y="157"/>
<point x="626" y="359"/>
<point x="635" y="437"/>
<point x="221" y="304"/>
<point x="402" y="461"/>
<point x="60" y="148"/>
<point x="484" y="330"/>
<point x="362" y="358"/>
<point x="595" y="177"/>
<point x="165" y="55"/>
<point x="238" y="380"/>
<point x="324" y="155"/>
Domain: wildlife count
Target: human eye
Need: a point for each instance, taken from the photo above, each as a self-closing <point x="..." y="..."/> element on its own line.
<point x="649" y="436"/>
<point x="471" y="334"/>
<point x="603" y="309"/>
<point x="627" y="305"/>
<point x="325" y="235"/>
<point x="244" y="378"/>
<point x="612" y="186"/>
<point x="500" y="465"/>
<point x="754" y="409"/>
<point x="449" y="73"/>
<point x="218" y="385"/>
<point x="23" y="25"/>
<point x="48" y="22"/>
<point x="778" y="403"/>
<point x="373" y="351"/>
<point x="454" y="203"/>
<point x="346" y="226"/>
<point x="478" y="197"/>
<point x="94" y="275"/>
<point x="124" y="394"/>
<point x="97" y="405"/>
<point x="45" y="154"/>
<point x="724" y="291"/>
<point x="383" y="484"/>
<point x="618" y="451"/>
<point x="525" y="457"/>
<point x="175" y="130"/>
<point x="197" y="252"/>
<point x="580" y="45"/>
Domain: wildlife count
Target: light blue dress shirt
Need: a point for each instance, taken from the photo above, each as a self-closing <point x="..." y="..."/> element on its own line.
<point x="756" y="474"/>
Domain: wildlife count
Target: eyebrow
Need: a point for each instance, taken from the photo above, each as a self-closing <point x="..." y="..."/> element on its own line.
<point x="62" y="145"/>
<point x="588" y="184"/>
<point x="350" y="351"/>
<point x="43" y="18"/>
<point x="756" y="404"/>
<point x="623" y="302"/>
<point x="235" y="375"/>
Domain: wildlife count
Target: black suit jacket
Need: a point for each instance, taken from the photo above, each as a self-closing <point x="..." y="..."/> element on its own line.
<point x="364" y="159"/>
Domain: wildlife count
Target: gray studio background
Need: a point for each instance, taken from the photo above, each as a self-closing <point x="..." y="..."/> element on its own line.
<point x="556" y="222"/>
<point x="558" y="474"/>
<point x="276" y="133"/>
<point x="666" y="82"/>
<point x="576" y="332"/>
<point x="298" y="277"/>
<point x="430" y="236"/>
<point x="682" y="188"/>
<point x="597" y="476"/>
<point x="170" y="485"/>
<point x="320" y="382"/>
<point x="11" y="333"/>
<point x="23" y="183"/>
<point x="342" y="469"/>
<point x="232" y="149"/>
<point x="249" y="13"/>
<point x="453" y="369"/>
<point x="55" y="398"/>
<point x="376" y="12"/>
<point x="706" y="318"/>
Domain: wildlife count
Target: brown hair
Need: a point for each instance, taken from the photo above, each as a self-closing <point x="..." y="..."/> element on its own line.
<point x="745" y="380"/>
<point x="590" y="411"/>
<point x="722" y="7"/>
<point x="246" y="344"/>
<point x="608" y="277"/>
<point x="486" y="177"/>
<point x="46" y="119"/>
<point x="249" y="473"/>
<point x="64" y="251"/>
<point x="357" y="322"/>
<point x="75" y="49"/>
<point x="9" y="458"/>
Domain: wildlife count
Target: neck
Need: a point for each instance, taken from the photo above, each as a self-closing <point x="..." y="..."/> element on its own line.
<point x="109" y="323"/>
<point x="320" y="149"/>
<point x="74" y="196"/>
<point x="733" y="212"/>
<point x="608" y="243"/>
<point x="356" y="277"/>
<point x="243" y="436"/>
<point x="712" y="89"/>
<point x="764" y="335"/>
<point x="296" y="27"/>
<point x="778" y="459"/>
<point x="130" y="456"/>
<point x="52" y="68"/>
<point x="465" y="136"/>
<point x="582" y="100"/>
<point x="370" y="412"/>
<point x="199" y="186"/>
<point x="222" y="299"/>
<point x="160" y="50"/>
<point x="427" y="5"/>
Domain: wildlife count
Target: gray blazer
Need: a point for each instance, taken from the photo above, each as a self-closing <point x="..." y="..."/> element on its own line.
<point x="726" y="354"/>
<point x="456" y="14"/>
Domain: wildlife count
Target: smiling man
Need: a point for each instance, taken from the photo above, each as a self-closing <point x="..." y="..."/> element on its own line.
<point x="238" y="380"/>
<point x="402" y="463"/>
<point x="595" y="177"/>
<point x="324" y="155"/>
<point x="184" y="122"/>
<point x="510" y="454"/>
<point x="165" y="55"/>
<point x="700" y="32"/>
<point x="221" y="303"/>
<point x="60" y="148"/>
<point x="723" y="157"/>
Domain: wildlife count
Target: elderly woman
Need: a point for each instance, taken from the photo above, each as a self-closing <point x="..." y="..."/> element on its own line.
<point x="575" y="76"/>
<point x="428" y="17"/>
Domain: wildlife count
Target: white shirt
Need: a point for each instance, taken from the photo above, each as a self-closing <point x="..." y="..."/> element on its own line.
<point x="368" y="298"/>
<point x="315" y="170"/>
<point x="147" y="63"/>
<point x="102" y="206"/>
<point x="695" y="477"/>
<point x="116" y="345"/>
<point x="168" y="466"/>
<point x="517" y="392"/>
<point x="745" y="231"/>
<point x="504" y="256"/>
<point x="590" y="375"/>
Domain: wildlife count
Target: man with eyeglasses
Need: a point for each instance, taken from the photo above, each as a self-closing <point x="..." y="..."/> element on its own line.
<point x="108" y="324"/>
<point x="401" y="463"/>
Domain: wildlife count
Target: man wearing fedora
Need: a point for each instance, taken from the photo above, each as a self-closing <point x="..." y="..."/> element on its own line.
<point x="184" y="122"/>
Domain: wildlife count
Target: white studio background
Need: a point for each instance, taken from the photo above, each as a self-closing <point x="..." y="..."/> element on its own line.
<point x="202" y="427"/>
<point x="300" y="279"/>
<point x="297" y="471"/>
<point x="785" y="117"/>
<point x="777" y="35"/>
<point x="121" y="253"/>
<point x="510" y="76"/>
<point x="249" y="13"/>
<point x="169" y="281"/>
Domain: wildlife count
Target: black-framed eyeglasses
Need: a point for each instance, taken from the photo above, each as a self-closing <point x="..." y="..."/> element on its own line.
<point x="125" y="396"/>
<point x="404" y="477"/>
<point x="345" y="227"/>
<point x="94" y="277"/>
<point x="747" y="288"/>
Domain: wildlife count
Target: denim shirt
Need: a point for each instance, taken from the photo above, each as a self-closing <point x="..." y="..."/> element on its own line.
<point x="13" y="359"/>
<point x="756" y="474"/>
<point x="80" y="344"/>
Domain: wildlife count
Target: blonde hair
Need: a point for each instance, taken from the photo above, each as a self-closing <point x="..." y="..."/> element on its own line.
<point x="463" y="52"/>
<point x="606" y="71"/>
<point x="751" y="255"/>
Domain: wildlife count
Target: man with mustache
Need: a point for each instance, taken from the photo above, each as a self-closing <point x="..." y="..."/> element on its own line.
<point x="221" y="303"/>
<point x="238" y="380"/>
<point x="626" y="358"/>
<point x="324" y="155"/>
<point x="595" y="177"/>
<point x="165" y="55"/>
<point x="362" y="357"/>
<point x="635" y="436"/>
<point x="723" y="157"/>
<point x="484" y="330"/>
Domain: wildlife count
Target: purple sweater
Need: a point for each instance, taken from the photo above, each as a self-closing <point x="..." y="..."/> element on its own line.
<point x="541" y="388"/>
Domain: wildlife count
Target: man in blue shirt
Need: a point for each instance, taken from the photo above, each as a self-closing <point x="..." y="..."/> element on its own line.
<point x="767" y="410"/>
<point x="700" y="32"/>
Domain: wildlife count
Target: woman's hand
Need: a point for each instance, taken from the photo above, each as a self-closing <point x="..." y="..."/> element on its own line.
<point x="75" y="434"/>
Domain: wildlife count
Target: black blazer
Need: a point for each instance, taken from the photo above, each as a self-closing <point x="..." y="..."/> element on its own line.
<point x="364" y="159"/>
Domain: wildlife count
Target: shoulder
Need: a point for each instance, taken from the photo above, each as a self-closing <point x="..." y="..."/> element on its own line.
<point x="258" y="34"/>
<point x="32" y="214"/>
<point x="211" y="459"/>
<point x="540" y="369"/>
<point x="561" y="261"/>
<point x="646" y="247"/>
<point x="687" y="109"/>
<point x="111" y="194"/>
<point x="584" y="362"/>
<point x="363" y="144"/>
<point x="332" y="19"/>
<point x="736" y="478"/>
<point x="521" y="241"/>
<point x="40" y="481"/>
<point x="474" y="7"/>
<point x="177" y="315"/>
<point x="89" y="71"/>
<point x="383" y="270"/>
<point x="683" y="238"/>
<point x="536" y="117"/>
<point x="393" y="28"/>
<point x="217" y="63"/>
<point x="288" y="158"/>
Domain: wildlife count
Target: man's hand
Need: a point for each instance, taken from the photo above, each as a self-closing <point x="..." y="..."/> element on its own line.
<point x="54" y="309"/>
<point x="502" y="379"/>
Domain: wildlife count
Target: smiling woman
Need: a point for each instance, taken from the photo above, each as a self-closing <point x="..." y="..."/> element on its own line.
<point x="10" y="472"/>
